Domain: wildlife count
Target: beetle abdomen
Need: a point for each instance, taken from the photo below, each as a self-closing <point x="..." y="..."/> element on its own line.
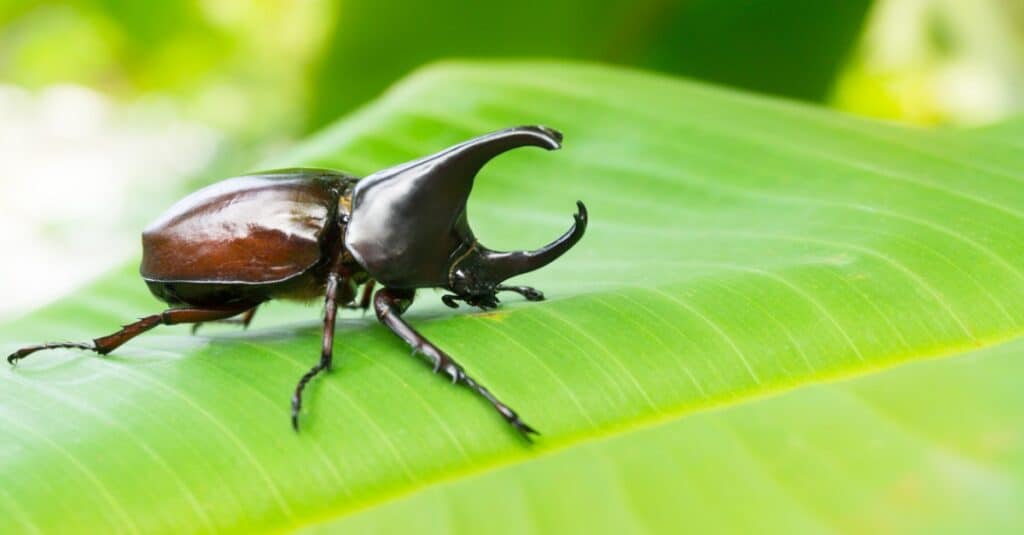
<point x="260" y="228"/>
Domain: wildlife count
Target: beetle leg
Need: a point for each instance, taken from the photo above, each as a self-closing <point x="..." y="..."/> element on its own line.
<point x="530" y="293"/>
<point x="450" y="300"/>
<point x="364" y="299"/>
<point x="247" y="317"/>
<point x="481" y="301"/>
<point x="244" y="321"/>
<point x="326" y="350"/>
<point x="389" y="304"/>
<point x="106" y="344"/>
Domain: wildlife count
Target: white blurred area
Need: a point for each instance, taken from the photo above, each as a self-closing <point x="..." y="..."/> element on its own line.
<point x="928" y="62"/>
<point x="74" y="168"/>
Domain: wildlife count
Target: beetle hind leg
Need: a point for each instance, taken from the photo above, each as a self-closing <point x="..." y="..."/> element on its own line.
<point x="26" y="351"/>
<point x="243" y="319"/>
<point x="389" y="304"/>
<point x="106" y="344"/>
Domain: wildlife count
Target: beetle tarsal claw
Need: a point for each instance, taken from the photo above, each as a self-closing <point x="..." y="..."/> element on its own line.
<point x="525" y="430"/>
<point x="513" y="419"/>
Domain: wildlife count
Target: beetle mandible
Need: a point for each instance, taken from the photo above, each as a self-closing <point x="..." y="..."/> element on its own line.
<point x="226" y="249"/>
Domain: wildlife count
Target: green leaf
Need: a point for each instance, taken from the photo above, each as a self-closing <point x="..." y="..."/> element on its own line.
<point x="936" y="446"/>
<point x="1010" y="131"/>
<point x="740" y="248"/>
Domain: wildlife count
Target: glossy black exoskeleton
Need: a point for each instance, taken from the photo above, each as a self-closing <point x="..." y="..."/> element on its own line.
<point x="300" y="233"/>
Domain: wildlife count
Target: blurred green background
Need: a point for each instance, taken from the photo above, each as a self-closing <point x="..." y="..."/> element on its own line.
<point x="110" y="108"/>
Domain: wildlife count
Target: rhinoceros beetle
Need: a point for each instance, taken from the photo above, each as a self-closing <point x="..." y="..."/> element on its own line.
<point x="224" y="250"/>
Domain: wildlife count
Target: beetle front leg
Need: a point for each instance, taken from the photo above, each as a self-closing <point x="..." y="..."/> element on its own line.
<point x="326" y="350"/>
<point x="490" y="301"/>
<point x="389" y="304"/>
<point x="528" y="292"/>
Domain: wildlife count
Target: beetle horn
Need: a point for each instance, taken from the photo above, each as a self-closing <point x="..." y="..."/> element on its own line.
<point x="499" y="266"/>
<point x="446" y="178"/>
<point x="469" y="156"/>
<point x="418" y="209"/>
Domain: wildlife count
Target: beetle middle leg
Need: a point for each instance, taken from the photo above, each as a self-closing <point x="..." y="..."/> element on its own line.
<point x="106" y="344"/>
<point x="389" y="304"/>
<point x="364" y="299"/>
<point x="326" y="350"/>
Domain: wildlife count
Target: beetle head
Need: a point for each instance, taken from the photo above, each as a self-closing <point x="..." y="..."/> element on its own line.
<point x="408" y="226"/>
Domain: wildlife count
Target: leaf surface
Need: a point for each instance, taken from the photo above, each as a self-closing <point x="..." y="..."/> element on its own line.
<point x="740" y="248"/>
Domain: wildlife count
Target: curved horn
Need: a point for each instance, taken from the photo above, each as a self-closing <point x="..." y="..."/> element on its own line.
<point x="504" y="265"/>
<point x="452" y="170"/>
<point x="418" y="209"/>
<point x="473" y="154"/>
<point x="455" y="167"/>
